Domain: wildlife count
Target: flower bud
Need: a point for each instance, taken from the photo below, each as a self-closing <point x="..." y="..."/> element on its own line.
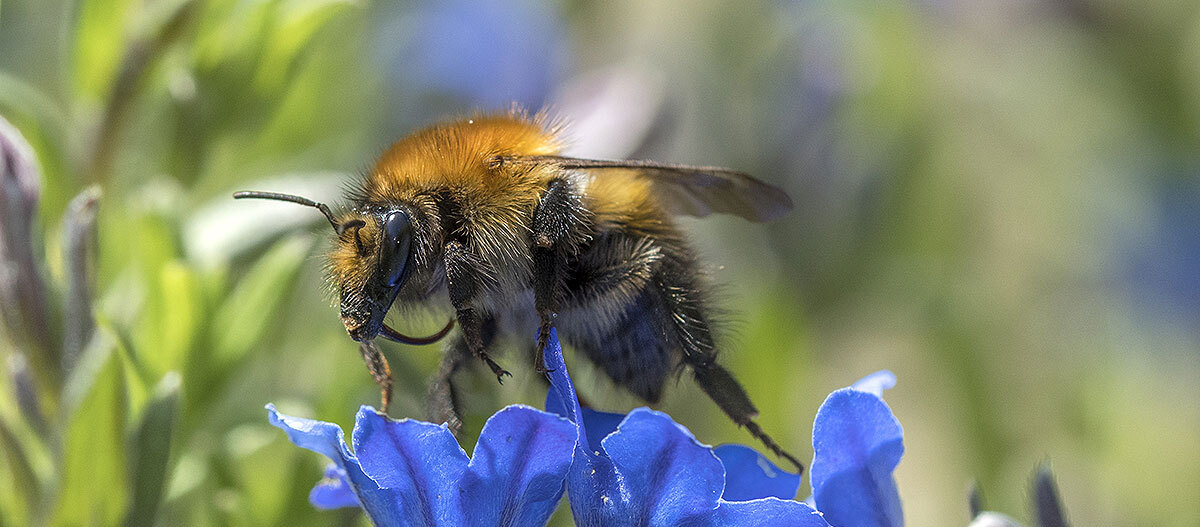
<point x="79" y="233"/>
<point x="22" y="290"/>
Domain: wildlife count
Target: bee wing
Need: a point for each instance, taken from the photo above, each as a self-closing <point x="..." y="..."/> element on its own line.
<point x="691" y="190"/>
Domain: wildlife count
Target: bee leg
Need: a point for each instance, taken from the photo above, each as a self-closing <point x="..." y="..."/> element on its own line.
<point x="545" y="276"/>
<point x="729" y="395"/>
<point x="442" y="399"/>
<point x="377" y="365"/>
<point x="461" y="276"/>
<point x="687" y="306"/>
<point x="442" y="403"/>
<point x="559" y="226"/>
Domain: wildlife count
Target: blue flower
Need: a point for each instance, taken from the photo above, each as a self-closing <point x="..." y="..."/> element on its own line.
<point x="410" y="472"/>
<point x="648" y="470"/>
<point x="635" y="469"/>
<point x="857" y="443"/>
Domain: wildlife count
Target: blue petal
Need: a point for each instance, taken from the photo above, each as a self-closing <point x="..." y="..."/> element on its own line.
<point x="592" y="483"/>
<point x="668" y="475"/>
<point x="420" y="462"/>
<point x="561" y="398"/>
<point x="876" y="383"/>
<point x="594" y="491"/>
<point x="599" y="425"/>
<point x="333" y="492"/>
<point x="767" y="512"/>
<point x="382" y="505"/>
<point x="420" y="476"/>
<point x="596" y="424"/>
<point x="857" y="443"/>
<point x="749" y="475"/>
<point x="323" y="438"/>
<point x="518" y="471"/>
<point x="650" y="471"/>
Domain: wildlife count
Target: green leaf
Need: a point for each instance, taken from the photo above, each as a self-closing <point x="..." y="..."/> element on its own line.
<point x="243" y="318"/>
<point x="139" y="380"/>
<point x="20" y="473"/>
<point x="149" y="457"/>
<point x="230" y="33"/>
<point x="294" y="31"/>
<point x="20" y="99"/>
<point x="180" y="318"/>
<point x="93" y="464"/>
<point x="100" y="37"/>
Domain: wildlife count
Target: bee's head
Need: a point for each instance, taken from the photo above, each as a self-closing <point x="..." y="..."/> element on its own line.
<point x="369" y="265"/>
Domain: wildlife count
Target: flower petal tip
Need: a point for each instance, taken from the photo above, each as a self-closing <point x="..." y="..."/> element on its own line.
<point x="367" y="410"/>
<point x="323" y="438"/>
<point x="876" y="383"/>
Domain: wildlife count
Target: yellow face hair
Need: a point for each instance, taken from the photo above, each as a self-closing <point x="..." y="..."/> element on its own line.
<point x="354" y="256"/>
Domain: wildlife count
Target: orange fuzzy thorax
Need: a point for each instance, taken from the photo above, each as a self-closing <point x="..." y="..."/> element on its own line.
<point x="456" y="155"/>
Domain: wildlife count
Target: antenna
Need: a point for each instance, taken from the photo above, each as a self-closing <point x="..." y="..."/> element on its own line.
<point x="276" y="196"/>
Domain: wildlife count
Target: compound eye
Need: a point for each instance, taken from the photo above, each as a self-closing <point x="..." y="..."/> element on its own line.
<point x="393" y="249"/>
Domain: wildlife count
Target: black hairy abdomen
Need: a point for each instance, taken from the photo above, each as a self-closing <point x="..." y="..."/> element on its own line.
<point x="636" y="307"/>
<point x="632" y="352"/>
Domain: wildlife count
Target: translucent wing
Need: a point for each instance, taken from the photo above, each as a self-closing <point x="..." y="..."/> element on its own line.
<point x="691" y="190"/>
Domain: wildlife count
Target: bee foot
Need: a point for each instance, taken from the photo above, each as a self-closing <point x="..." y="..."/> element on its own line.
<point x="496" y="369"/>
<point x="500" y="376"/>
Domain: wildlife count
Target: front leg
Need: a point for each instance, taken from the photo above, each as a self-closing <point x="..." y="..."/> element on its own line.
<point x="377" y="365"/>
<point x="463" y="273"/>
<point x="560" y="226"/>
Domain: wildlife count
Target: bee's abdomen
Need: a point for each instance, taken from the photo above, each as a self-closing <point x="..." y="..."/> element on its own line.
<point x="637" y="310"/>
<point x="633" y="352"/>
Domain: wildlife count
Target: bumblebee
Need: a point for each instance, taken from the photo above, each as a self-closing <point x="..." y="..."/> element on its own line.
<point x="484" y="212"/>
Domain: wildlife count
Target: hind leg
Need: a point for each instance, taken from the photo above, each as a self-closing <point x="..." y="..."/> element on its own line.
<point x="687" y="312"/>
<point x="732" y="399"/>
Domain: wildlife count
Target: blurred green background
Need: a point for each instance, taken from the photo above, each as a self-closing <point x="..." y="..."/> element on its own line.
<point x="1000" y="202"/>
